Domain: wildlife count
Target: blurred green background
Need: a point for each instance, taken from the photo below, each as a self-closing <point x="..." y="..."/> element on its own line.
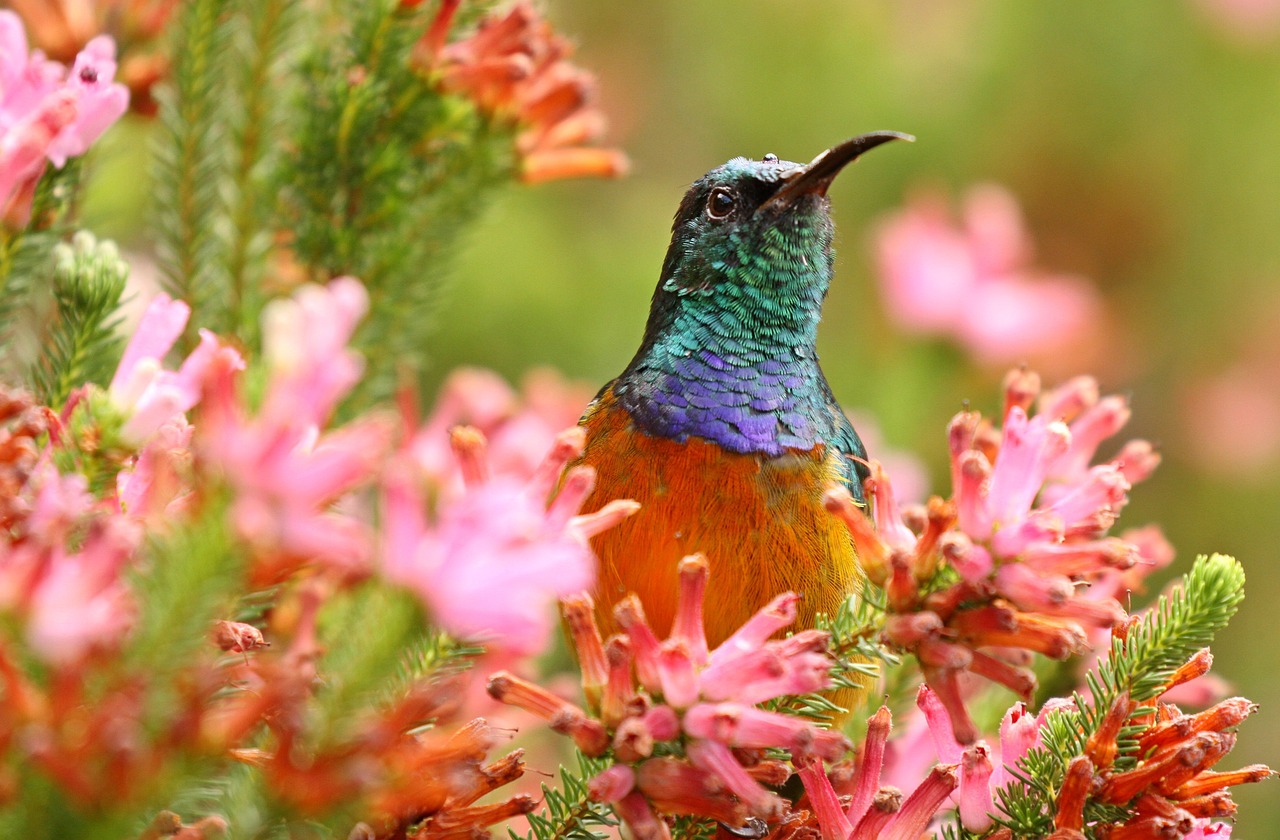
<point x="1140" y="138"/>
<point x="1143" y="140"/>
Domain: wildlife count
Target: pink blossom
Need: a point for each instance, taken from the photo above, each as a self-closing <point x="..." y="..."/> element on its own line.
<point x="492" y="560"/>
<point x="151" y="488"/>
<point x="518" y="426"/>
<point x="1205" y="829"/>
<point x="1250" y="21"/>
<point x="983" y="770"/>
<point x="141" y="387"/>
<point x="287" y="473"/>
<point x="62" y="576"/>
<point x="46" y="113"/>
<point x="81" y="602"/>
<point x="974" y="282"/>
<point x="1041" y="499"/>
<point x="706" y="699"/>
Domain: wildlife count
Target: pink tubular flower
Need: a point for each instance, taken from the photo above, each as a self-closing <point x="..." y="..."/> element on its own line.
<point x="68" y="588"/>
<point x="875" y="811"/>
<point x="46" y="114"/>
<point x="150" y="395"/>
<point x="974" y="283"/>
<point x="500" y="529"/>
<point x="519" y="427"/>
<point x="81" y="602"/>
<point x="705" y="702"/>
<point x="286" y="473"/>
<point x="1026" y="531"/>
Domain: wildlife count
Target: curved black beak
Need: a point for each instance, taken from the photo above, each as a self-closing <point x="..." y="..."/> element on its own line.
<point x="818" y="174"/>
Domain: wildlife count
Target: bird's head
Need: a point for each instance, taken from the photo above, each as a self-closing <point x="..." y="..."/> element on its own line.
<point x="753" y="237"/>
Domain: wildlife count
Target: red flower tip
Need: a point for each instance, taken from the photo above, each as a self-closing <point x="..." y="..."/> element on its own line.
<point x="884" y="807"/>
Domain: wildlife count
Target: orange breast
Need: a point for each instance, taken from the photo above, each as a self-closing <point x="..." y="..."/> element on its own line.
<point x="760" y="522"/>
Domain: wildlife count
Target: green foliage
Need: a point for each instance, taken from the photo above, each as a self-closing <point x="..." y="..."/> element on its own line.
<point x="385" y="175"/>
<point x="859" y="657"/>
<point x="26" y="257"/>
<point x="192" y="161"/>
<point x="367" y="632"/>
<point x="1167" y="635"/>
<point x="567" y="812"/>
<point x="82" y="346"/>
<point x="191" y="579"/>
<point x="264" y="35"/>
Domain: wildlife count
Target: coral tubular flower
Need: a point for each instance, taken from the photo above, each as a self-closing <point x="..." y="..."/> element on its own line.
<point x="500" y="528"/>
<point x="515" y="68"/>
<point x="701" y="704"/>
<point x="1025" y="531"/>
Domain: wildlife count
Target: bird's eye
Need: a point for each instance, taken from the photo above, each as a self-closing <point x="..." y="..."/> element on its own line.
<point x="721" y="203"/>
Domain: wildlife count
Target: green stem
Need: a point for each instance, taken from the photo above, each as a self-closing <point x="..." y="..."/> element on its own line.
<point x="267" y="37"/>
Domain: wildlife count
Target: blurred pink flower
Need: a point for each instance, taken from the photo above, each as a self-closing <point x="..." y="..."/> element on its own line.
<point x="46" y="114"/>
<point x="1246" y="20"/>
<point x="81" y="602"/>
<point x="974" y="283"/>
<point x="62" y="575"/>
<point x="152" y="487"/>
<point x="519" y="426"/>
<point x="150" y="395"/>
<point x="286" y="473"/>
<point x="1233" y="419"/>
<point x="492" y="560"/>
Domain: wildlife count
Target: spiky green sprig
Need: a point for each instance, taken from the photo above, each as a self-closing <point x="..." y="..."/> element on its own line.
<point x="1165" y="637"/>
<point x="192" y="161"/>
<point x="385" y="173"/>
<point x="82" y="346"/>
<point x="264" y="41"/>
<point x="568" y="812"/>
<point x="26" y="257"/>
<point x="859" y="657"/>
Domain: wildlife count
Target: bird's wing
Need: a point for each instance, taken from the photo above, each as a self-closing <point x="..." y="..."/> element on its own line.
<point x="844" y="439"/>
<point x="849" y="445"/>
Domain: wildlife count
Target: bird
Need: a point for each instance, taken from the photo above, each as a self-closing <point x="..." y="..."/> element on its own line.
<point x="723" y="426"/>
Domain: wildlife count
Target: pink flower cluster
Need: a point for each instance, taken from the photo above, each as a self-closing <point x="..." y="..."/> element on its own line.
<point x="873" y="811"/>
<point x="47" y="114"/>
<point x="287" y="470"/>
<point x="62" y="572"/>
<point x="500" y="530"/>
<point x="295" y="483"/>
<point x="1026" y="532"/>
<point x="705" y="701"/>
<point x="974" y="282"/>
<point x="519" y="426"/>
